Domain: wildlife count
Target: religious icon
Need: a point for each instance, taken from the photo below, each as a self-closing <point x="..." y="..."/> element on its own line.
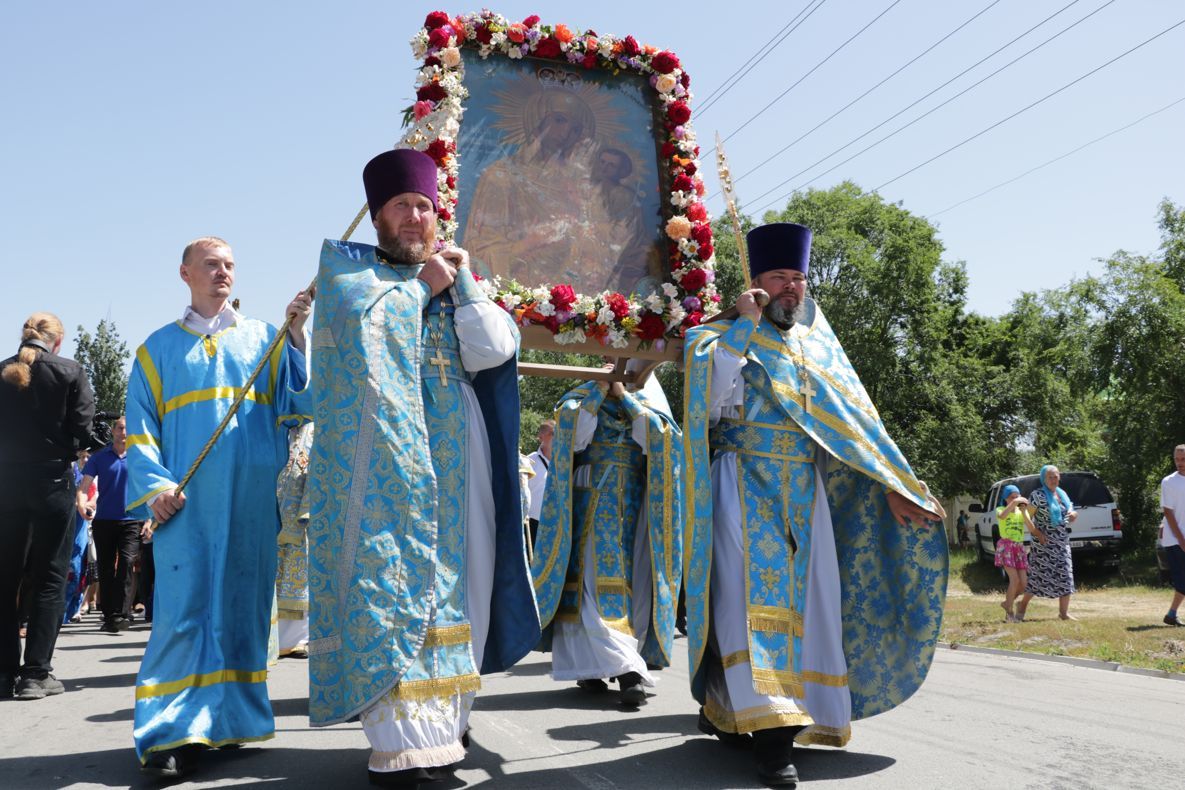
<point x="560" y="182"/>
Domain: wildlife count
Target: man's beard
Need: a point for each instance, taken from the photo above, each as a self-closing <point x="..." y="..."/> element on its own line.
<point x="783" y="317"/>
<point x="401" y="251"/>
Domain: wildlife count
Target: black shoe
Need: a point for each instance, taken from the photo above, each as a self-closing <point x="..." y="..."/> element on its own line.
<point x="39" y="688"/>
<point x="121" y="624"/>
<point x="632" y="692"/>
<point x="465" y="737"/>
<point x="773" y="750"/>
<point x="1172" y="620"/>
<point x="412" y="777"/>
<point x="7" y="685"/>
<point x="739" y="740"/>
<point x="171" y="763"/>
<point x="593" y="685"/>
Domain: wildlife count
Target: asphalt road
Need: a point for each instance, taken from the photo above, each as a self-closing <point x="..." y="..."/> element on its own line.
<point x="980" y="721"/>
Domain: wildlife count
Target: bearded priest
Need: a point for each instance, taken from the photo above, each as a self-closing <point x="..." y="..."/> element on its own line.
<point x="417" y="564"/>
<point x="815" y="568"/>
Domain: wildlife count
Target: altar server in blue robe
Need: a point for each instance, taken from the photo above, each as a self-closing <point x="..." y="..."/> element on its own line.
<point x="814" y="568"/>
<point x="608" y="557"/>
<point x="202" y="682"/>
<point x="418" y="572"/>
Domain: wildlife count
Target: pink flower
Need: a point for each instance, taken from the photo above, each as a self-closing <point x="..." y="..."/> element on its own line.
<point x="423" y="109"/>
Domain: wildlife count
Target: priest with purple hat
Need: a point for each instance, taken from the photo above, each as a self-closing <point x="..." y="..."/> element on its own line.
<point x="815" y="564"/>
<point x="418" y="571"/>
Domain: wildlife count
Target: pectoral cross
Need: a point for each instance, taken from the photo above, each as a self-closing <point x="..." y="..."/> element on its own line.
<point x="441" y="364"/>
<point x="808" y="390"/>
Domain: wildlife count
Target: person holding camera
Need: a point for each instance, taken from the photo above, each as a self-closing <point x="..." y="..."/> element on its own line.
<point x="115" y="532"/>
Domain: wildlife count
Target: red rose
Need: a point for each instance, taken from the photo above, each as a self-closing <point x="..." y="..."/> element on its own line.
<point x="693" y="319"/>
<point x="651" y="327"/>
<point x="444" y="214"/>
<point x="431" y="60"/>
<point x="563" y="297"/>
<point x="483" y="34"/>
<point x="531" y="21"/>
<point x="629" y="47"/>
<point x="433" y="91"/>
<point x="590" y="60"/>
<point x="451" y="182"/>
<point x="699" y="188"/>
<point x="679" y="112"/>
<point x="664" y="62"/>
<point x="618" y="304"/>
<point x="436" y="19"/>
<point x="516" y="33"/>
<point x="696" y="212"/>
<point x="683" y="183"/>
<point x="548" y="47"/>
<point x="702" y="233"/>
<point x="552" y="323"/>
<point x="684" y="80"/>
<point x="668" y="150"/>
<point x="690" y="168"/>
<point x="705" y="251"/>
<point x="693" y="280"/>
<point x="440" y="36"/>
<point x="437" y="149"/>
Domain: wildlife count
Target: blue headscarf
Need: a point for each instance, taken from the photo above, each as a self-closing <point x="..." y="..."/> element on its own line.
<point x="1059" y="501"/>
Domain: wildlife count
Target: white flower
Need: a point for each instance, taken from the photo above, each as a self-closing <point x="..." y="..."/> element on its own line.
<point x="654" y="302"/>
<point x="605" y="315"/>
<point x="666" y="83"/>
<point x="618" y="339"/>
<point x="545" y="308"/>
<point x="419" y="44"/>
<point x="670" y="290"/>
<point x="515" y="53"/>
<point x="570" y="336"/>
<point x="450" y="57"/>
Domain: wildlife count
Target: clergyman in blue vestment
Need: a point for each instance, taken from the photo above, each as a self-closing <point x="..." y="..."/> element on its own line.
<point x="418" y="574"/>
<point x="203" y="680"/>
<point x="608" y="559"/>
<point x="814" y="570"/>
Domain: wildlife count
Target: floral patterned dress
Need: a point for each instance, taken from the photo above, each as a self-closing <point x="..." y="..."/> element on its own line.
<point x="1051" y="571"/>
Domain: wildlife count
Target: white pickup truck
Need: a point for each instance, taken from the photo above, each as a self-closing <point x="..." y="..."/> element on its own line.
<point x="1095" y="535"/>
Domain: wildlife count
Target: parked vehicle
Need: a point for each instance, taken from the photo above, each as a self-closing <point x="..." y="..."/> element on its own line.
<point x="1095" y="535"/>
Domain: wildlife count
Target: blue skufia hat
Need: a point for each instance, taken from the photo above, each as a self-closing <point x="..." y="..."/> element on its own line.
<point x="1009" y="490"/>
<point x="781" y="245"/>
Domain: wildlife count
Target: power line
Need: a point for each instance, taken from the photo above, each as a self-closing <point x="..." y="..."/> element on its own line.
<point x="815" y="68"/>
<point x="829" y="118"/>
<point x="1056" y="159"/>
<point x="1031" y="106"/>
<point x="920" y="99"/>
<point x="759" y="56"/>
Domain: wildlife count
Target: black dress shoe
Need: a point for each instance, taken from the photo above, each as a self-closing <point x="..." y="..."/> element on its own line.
<point x="593" y="685"/>
<point x="411" y="777"/>
<point x="773" y="749"/>
<point x="172" y="763"/>
<point x="739" y="740"/>
<point x="632" y="691"/>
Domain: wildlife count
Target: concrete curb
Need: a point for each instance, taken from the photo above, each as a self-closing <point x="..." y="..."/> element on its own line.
<point x="1088" y="663"/>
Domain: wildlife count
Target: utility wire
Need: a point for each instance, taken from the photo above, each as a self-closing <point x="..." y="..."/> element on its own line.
<point x="1032" y="170"/>
<point x="1044" y="98"/>
<point x="920" y="99"/>
<point x="829" y="118"/>
<point x="797" y="82"/>
<point x="758" y="56"/>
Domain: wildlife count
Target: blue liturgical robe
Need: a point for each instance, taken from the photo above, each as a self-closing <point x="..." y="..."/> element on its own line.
<point x="387" y="496"/>
<point x="623" y="482"/>
<point x="802" y="395"/>
<point x="203" y="677"/>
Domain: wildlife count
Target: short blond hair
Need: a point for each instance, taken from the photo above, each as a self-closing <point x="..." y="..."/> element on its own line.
<point x="44" y="327"/>
<point x="202" y="241"/>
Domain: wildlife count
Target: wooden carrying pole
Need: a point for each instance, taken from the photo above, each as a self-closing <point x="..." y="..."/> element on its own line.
<point x="246" y="388"/>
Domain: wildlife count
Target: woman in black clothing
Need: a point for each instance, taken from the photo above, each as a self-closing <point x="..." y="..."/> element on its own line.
<point x="46" y="409"/>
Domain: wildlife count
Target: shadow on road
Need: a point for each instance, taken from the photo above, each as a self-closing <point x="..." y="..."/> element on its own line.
<point x="100" y="682"/>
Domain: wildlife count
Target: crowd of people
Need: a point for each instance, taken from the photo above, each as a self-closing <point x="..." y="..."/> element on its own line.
<point x="409" y="548"/>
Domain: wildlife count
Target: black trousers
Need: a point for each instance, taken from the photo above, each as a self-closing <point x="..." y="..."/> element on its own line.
<point x="36" y="533"/>
<point x="116" y="543"/>
<point x="147" y="579"/>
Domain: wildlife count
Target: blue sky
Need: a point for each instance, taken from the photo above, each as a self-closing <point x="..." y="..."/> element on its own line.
<point x="131" y="127"/>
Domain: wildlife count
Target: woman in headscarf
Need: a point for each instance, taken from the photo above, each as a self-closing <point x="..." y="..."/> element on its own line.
<point x="1013" y="517"/>
<point x="1051" y="571"/>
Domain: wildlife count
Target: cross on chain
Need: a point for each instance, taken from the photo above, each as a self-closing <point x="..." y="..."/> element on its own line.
<point x="441" y="364"/>
<point x="808" y="389"/>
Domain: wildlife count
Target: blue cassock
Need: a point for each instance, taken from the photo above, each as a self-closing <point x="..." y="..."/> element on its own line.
<point x="203" y="679"/>
<point x="387" y="494"/>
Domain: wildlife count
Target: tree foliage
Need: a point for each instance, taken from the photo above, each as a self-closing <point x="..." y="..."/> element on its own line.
<point x="103" y="356"/>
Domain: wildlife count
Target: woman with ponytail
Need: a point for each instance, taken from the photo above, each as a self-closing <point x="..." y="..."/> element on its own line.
<point x="46" y="409"/>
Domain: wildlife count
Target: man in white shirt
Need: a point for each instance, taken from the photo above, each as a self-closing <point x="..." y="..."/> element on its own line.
<point x="540" y="461"/>
<point x="1172" y="502"/>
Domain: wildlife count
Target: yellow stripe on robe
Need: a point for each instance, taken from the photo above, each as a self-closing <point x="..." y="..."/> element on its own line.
<point x="201" y="681"/>
<point x="213" y="393"/>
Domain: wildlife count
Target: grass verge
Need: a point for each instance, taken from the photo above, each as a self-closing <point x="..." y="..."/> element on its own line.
<point x="1119" y="617"/>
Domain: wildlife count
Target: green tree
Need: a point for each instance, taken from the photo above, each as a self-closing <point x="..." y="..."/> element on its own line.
<point x="103" y="356"/>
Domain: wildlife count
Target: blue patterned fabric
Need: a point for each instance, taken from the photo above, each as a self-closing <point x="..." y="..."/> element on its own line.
<point x="893" y="580"/>
<point x="624" y="481"/>
<point x="203" y="677"/>
<point x="387" y="495"/>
